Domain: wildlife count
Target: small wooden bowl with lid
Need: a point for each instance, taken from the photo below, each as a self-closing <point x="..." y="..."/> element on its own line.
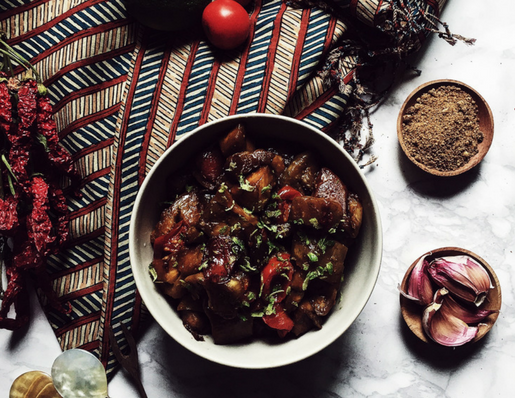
<point x="485" y="118"/>
<point x="412" y="311"/>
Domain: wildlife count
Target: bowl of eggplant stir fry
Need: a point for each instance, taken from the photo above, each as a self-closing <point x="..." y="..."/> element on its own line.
<point x="255" y="241"/>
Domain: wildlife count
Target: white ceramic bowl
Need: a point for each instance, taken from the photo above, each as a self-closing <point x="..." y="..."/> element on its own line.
<point x="361" y="267"/>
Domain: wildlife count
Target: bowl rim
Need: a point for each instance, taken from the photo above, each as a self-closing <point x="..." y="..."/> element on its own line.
<point x="412" y="312"/>
<point x="325" y="338"/>
<point x="483" y="147"/>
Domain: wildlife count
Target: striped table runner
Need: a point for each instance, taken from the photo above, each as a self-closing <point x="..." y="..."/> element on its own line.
<point x="123" y="93"/>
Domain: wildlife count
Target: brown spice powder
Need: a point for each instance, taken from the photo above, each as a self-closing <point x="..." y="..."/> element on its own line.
<point x="441" y="130"/>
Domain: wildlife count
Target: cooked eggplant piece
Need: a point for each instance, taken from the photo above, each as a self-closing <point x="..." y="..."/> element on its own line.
<point x="189" y="260"/>
<point x="229" y="331"/>
<point x="255" y="191"/>
<point x="301" y="173"/>
<point x="305" y="319"/>
<point x="196" y="322"/>
<point x="234" y="141"/>
<point x="317" y="213"/>
<point x="356" y="215"/>
<point x="225" y="298"/>
<point x="329" y="186"/>
<point x="246" y="162"/>
<point x="209" y="168"/>
<point x="187" y="207"/>
<point x="220" y="259"/>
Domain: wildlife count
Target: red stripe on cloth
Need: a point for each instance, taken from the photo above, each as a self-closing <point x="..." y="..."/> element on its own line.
<point x="53" y="22"/>
<point x="93" y="148"/>
<point x="303" y="29"/>
<point x="68" y="40"/>
<point x="78" y="267"/>
<point x="184" y="86"/>
<point x="316" y="104"/>
<point x="19" y="9"/>
<point x="153" y="111"/>
<point x="89" y="208"/>
<point x="95" y="316"/>
<point x="88" y="61"/>
<point x="87" y="91"/>
<point x="84" y="121"/>
<point x="91" y="347"/>
<point x="82" y="292"/>
<point x="211" y="86"/>
<point x="84" y="238"/>
<point x="244" y="58"/>
<point x="109" y="290"/>
<point x="265" y="88"/>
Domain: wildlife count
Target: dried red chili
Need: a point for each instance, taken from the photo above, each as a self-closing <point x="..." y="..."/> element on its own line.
<point x="33" y="211"/>
<point x="5" y="105"/>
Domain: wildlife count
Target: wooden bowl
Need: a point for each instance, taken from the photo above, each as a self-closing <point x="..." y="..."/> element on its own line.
<point x="486" y="125"/>
<point x="412" y="312"/>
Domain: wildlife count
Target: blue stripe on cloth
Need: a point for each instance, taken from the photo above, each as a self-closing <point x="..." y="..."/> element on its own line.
<point x="89" y="75"/>
<point x="96" y="15"/>
<point x="81" y="253"/>
<point x="6" y="5"/>
<point x="256" y="64"/>
<point x="89" y="135"/>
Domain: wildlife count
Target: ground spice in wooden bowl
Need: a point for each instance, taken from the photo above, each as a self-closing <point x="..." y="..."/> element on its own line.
<point x="445" y="127"/>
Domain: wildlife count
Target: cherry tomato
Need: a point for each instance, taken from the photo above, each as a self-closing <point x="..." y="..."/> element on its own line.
<point x="226" y="24"/>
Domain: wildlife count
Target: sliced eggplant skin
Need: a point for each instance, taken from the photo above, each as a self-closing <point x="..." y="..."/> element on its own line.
<point x="317" y="213"/>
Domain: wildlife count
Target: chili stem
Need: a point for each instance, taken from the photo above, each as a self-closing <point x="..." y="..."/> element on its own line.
<point x="13" y="55"/>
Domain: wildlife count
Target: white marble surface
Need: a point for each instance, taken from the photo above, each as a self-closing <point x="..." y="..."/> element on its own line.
<point x="378" y="356"/>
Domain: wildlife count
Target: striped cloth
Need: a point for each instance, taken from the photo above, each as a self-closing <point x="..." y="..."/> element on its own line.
<point x="123" y="93"/>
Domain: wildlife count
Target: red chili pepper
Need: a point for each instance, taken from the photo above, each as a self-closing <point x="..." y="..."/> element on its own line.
<point x="278" y="272"/>
<point x="287" y="194"/>
<point x="8" y="213"/>
<point x="58" y="205"/>
<point x="39" y="226"/>
<point x="5" y="105"/>
<point x="279" y="320"/>
<point x="57" y="155"/>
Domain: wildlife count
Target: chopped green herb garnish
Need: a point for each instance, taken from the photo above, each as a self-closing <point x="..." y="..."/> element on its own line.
<point x="153" y="273"/>
<point x="314" y="222"/>
<point x="312" y="257"/>
<point x="245" y="185"/>
<point x="267" y="188"/>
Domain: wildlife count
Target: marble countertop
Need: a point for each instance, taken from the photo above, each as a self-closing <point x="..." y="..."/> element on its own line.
<point x="378" y="356"/>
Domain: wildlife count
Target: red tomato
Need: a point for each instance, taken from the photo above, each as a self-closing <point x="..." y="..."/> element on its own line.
<point x="226" y="24"/>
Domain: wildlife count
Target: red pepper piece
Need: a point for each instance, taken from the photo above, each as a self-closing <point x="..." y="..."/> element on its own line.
<point x="279" y="320"/>
<point x="287" y="194"/>
<point x="172" y="241"/>
<point x="39" y="226"/>
<point x="278" y="271"/>
<point x="221" y="259"/>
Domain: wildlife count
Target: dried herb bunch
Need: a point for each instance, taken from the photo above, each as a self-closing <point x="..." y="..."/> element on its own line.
<point x="33" y="210"/>
<point x="377" y="47"/>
